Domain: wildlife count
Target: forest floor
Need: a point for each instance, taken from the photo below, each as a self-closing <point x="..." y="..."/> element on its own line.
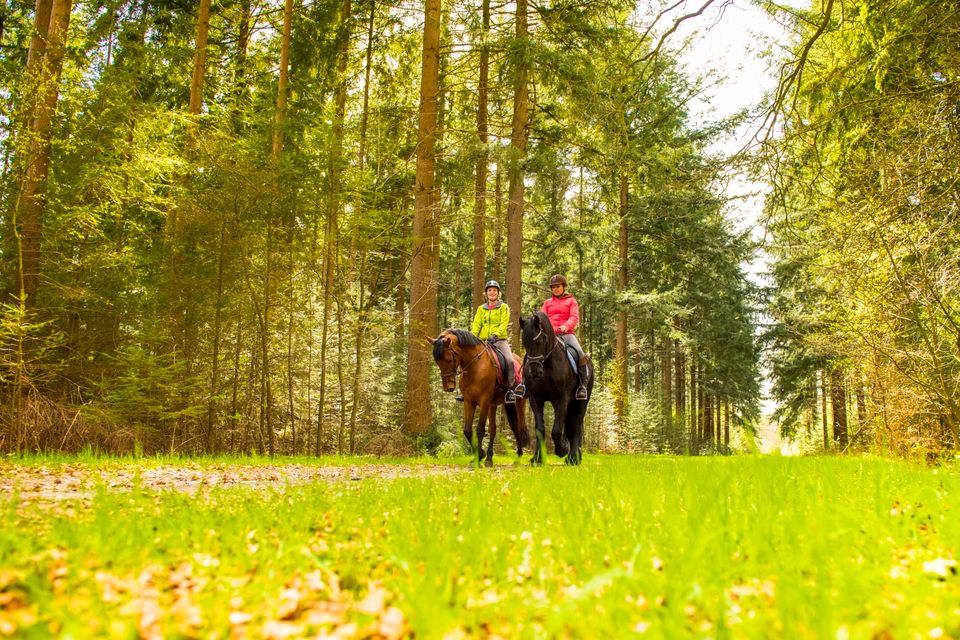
<point x="72" y="481"/>
<point x="667" y="547"/>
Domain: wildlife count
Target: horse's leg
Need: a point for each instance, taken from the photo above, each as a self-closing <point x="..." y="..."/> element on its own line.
<point x="492" y="411"/>
<point x="484" y="408"/>
<point x="540" y="445"/>
<point x="560" y="408"/>
<point x="469" y="407"/>
<point x="515" y="420"/>
<point x="574" y="431"/>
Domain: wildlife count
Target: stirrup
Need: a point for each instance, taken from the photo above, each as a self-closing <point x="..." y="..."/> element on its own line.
<point x="581" y="393"/>
<point x="520" y="390"/>
<point x="458" y="398"/>
<point x="511" y="397"/>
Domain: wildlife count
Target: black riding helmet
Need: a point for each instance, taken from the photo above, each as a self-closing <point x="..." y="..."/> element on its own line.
<point x="492" y="283"/>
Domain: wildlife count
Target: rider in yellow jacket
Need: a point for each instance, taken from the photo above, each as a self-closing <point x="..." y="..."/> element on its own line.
<point x="491" y="322"/>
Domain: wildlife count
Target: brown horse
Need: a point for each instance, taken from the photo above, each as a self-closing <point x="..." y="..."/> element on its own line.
<point x="459" y="352"/>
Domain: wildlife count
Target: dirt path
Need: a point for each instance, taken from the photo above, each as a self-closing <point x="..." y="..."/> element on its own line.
<point x="78" y="481"/>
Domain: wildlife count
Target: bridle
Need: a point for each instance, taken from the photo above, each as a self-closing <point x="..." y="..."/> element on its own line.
<point x="539" y="360"/>
<point x="457" y="358"/>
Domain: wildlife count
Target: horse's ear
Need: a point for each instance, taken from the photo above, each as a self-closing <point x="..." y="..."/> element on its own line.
<point x="429" y="340"/>
<point x="446" y="340"/>
<point x="523" y="322"/>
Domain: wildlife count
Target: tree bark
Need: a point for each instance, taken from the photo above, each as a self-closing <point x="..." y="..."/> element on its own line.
<point x="694" y="404"/>
<point x="215" y="359"/>
<point x="480" y="201"/>
<point x="498" y="230"/>
<point x="666" y="388"/>
<point x="518" y="154"/>
<point x="361" y="303"/>
<point x="240" y="65"/>
<point x="621" y="361"/>
<point x="331" y="229"/>
<point x="823" y="410"/>
<point x="426" y="234"/>
<point x="199" y="59"/>
<point x="44" y="65"/>
<point x="838" y="400"/>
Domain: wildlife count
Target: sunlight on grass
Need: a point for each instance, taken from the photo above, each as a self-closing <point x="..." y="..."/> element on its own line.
<point x="656" y="547"/>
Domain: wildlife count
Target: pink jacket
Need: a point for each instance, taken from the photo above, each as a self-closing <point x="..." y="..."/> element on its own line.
<point x="562" y="311"/>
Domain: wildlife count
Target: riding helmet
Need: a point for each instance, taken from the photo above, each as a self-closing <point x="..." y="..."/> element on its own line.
<point x="492" y="283"/>
<point x="558" y="279"/>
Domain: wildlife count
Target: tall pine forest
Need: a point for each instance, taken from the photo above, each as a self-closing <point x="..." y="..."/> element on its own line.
<point x="228" y="227"/>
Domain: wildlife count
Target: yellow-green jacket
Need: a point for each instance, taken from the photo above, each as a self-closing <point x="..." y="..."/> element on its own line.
<point x="491" y="322"/>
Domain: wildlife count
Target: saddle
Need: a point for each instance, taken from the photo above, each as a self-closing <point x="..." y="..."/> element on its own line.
<point x="502" y="368"/>
<point x="572" y="358"/>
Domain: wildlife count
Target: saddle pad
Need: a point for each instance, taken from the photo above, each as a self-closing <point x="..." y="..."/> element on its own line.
<point x="501" y="365"/>
<point x="501" y="368"/>
<point x="572" y="359"/>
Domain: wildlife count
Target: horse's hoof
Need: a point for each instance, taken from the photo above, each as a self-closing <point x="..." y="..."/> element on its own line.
<point x="488" y="463"/>
<point x="561" y="450"/>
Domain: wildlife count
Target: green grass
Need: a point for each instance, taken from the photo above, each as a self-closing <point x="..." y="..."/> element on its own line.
<point x="620" y="547"/>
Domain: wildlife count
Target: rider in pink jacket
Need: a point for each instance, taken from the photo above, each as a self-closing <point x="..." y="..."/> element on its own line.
<point x="564" y="314"/>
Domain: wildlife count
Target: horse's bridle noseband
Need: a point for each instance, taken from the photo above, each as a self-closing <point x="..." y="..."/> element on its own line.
<point x="457" y="369"/>
<point x="539" y="360"/>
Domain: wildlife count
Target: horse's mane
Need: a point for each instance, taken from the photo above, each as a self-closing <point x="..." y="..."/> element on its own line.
<point x="463" y="336"/>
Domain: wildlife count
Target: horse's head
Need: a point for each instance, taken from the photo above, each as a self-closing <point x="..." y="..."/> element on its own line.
<point x="446" y="358"/>
<point x="536" y="332"/>
<point x="538" y="338"/>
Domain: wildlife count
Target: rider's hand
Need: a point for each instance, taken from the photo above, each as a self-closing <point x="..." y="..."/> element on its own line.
<point x="563" y="328"/>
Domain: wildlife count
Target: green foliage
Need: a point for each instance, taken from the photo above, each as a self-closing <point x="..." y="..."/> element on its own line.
<point x="863" y="223"/>
<point x="184" y="269"/>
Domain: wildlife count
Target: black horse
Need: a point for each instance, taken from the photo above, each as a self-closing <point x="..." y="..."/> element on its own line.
<point x="549" y="378"/>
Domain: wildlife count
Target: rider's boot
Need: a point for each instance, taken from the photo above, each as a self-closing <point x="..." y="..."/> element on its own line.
<point x="511" y="397"/>
<point x="581" y="388"/>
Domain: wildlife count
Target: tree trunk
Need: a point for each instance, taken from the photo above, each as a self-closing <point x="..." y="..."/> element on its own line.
<point x="679" y="380"/>
<point x="726" y="425"/>
<point x="361" y="303"/>
<point x="44" y="64"/>
<point x="823" y="416"/>
<point x="621" y="361"/>
<point x="666" y="388"/>
<point x="215" y="359"/>
<point x="199" y="59"/>
<point x="332" y="219"/>
<point x="694" y="404"/>
<point x="426" y="234"/>
<point x="517" y="158"/>
<point x="240" y="65"/>
<point x="480" y="202"/>
<point x="235" y="387"/>
<point x="276" y="150"/>
<point x="498" y="230"/>
<point x="838" y="401"/>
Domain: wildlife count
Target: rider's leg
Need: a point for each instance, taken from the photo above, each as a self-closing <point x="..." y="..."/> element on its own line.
<point x="571" y="340"/>
<point x="509" y="374"/>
